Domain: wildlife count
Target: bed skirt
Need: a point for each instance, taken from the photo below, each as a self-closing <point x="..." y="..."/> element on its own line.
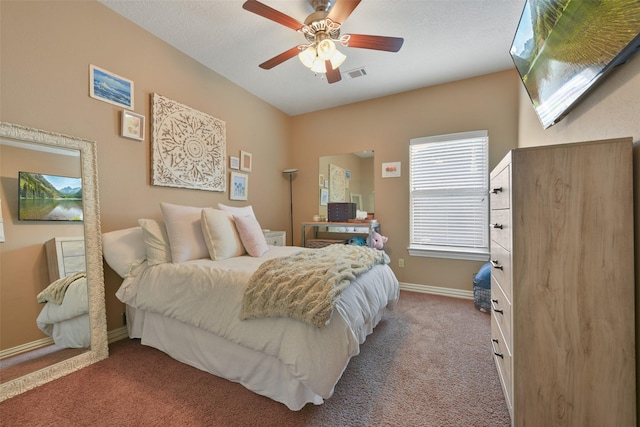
<point x="258" y="372"/>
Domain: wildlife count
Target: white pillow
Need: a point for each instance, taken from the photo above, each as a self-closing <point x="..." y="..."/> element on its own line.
<point x="239" y="211"/>
<point x="156" y="241"/>
<point x="251" y="235"/>
<point x="220" y="234"/>
<point x="185" y="232"/>
<point x="122" y="249"/>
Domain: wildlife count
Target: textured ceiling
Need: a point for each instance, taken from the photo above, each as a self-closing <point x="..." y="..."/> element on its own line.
<point x="445" y="40"/>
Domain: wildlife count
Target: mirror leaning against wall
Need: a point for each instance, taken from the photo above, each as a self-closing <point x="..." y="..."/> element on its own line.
<point x="26" y="269"/>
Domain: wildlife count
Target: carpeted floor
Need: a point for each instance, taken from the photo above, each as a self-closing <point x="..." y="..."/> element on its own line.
<point x="428" y="363"/>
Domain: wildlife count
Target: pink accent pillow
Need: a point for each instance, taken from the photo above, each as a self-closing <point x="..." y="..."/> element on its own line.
<point x="251" y="235"/>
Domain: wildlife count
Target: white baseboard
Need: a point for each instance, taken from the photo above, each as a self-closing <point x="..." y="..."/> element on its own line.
<point x="33" y="345"/>
<point x="117" y="334"/>
<point x="435" y="290"/>
<point x="112" y="336"/>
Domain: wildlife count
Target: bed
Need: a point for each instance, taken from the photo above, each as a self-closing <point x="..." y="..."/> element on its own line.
<point x="65" y="314"/>
<point x="200" y="312"/>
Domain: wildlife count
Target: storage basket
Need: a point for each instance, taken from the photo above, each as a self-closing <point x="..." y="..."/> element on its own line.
<point x="321" y="243"/>
<point x="482" y="299"/>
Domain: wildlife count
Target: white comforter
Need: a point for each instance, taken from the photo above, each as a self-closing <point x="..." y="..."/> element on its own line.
<point x="208" y="294"/>
<point x="72" y="313"/>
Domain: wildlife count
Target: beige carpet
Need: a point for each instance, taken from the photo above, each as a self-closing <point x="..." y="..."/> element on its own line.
<point x="428" y="363"/>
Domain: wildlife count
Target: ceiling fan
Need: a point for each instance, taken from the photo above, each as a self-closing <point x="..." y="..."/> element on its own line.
<point x="322" y="30"/>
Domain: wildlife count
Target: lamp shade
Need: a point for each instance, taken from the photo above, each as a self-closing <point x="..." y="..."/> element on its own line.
<point x="326" y="49"/>
<point x="307" y="56"/>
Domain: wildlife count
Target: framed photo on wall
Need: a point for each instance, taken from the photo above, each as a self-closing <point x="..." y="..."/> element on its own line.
<point x="239" y="188"/>
<point x="234" y="162"/>
<point x="391" y="170"/>
<point x="132" y="125"/>
<point x="324" y="196"/>
<point x="245" y="161"/>
<point x="109" y="87"/>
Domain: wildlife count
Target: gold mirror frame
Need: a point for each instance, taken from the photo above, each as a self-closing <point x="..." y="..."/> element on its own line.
<point x="93" y="246"/>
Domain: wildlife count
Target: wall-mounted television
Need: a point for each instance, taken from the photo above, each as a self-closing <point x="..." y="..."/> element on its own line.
<point x="562" y="48"/>
<point x="43" y="197"/>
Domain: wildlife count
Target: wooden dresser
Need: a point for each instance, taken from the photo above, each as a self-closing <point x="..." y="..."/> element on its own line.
<point x="65" y="256"/>
<point x="562" y="285"/>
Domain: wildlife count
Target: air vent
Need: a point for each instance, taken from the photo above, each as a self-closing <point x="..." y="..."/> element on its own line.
<point x="358" y="72"/>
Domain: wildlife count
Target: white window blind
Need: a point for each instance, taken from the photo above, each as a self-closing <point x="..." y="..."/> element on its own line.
<point x="449" y="180"/>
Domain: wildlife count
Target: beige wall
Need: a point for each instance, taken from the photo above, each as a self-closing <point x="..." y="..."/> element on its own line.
<point x="46" y="48"/>
<point x="386" y="125"/>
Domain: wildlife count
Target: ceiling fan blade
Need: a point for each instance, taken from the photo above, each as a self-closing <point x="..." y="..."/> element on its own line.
<point x="332" y="75"/>
<point x="272" y="14"/>
<point x="341" y="10"/>
<point x="279" y="59"/>
<point x="390" y="44"/>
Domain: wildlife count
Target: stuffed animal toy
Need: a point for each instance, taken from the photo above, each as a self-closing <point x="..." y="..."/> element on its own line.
<point x="358" y="241"/>
<point x="376" y="240"/>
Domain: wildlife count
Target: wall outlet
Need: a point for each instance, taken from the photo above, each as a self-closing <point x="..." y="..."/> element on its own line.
<point x="401" y="262"/>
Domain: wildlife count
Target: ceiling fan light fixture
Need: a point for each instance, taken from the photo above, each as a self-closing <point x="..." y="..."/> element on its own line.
<point x="318" y="66"/>
<point x="307" y="56"/>
<point x="326" y="49"/>
<point x="337" y="59"/>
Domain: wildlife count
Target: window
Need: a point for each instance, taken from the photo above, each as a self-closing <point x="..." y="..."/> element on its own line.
<point x="449" y="182"/>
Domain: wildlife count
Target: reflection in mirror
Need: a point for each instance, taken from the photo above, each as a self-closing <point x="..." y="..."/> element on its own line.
<point x="52" y="314"/>
<point x="347" y="178"/>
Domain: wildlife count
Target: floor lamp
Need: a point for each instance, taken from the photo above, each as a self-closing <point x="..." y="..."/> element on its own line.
<point x="290" y="172"/>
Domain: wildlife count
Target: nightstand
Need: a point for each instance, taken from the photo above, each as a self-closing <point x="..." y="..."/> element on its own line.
<point x="275" y="238"/>
<point x="65" y="256"/>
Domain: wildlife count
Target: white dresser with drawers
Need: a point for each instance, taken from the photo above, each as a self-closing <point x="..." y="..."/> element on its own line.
<point x="275" y="238"/>
<point x="562" y="285"/>
<point x="65" y="256"/>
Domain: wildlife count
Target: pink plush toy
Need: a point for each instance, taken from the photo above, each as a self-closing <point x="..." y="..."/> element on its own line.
<point x="376" y="240"/>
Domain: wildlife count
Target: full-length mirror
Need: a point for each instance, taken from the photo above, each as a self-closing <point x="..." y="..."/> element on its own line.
<point x="347" y="177"/>
<point x="52" y="311"/>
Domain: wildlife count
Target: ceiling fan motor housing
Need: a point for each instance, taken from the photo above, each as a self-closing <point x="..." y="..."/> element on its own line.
<point x="320" y="5"/>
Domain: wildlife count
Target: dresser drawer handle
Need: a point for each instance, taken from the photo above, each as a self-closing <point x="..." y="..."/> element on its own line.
<point x="500" y="226"/>
<point x="496" y="190"/>
<point x="494" y="264"/>
<point x="493" y="348"/>
<point x="493" y="306"/>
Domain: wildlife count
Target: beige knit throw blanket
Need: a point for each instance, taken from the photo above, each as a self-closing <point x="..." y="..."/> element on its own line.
<point x="55" y="291"/>
<point x="307" y="284"/>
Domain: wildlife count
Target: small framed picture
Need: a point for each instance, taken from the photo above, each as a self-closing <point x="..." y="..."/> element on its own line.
<point x="391" y="170"/>
<point x="109" y="87"/>
<point x="239" y="188"/>
<point x="324" y="196"/>
<point x="132" y="125"/>
<point x="234" y="162"/>
<point x="245" y="161"/>
<point x="321" y="181"/>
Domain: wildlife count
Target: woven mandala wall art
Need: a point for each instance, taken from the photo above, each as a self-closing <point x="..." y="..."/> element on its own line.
<point x="188" y="147"/>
